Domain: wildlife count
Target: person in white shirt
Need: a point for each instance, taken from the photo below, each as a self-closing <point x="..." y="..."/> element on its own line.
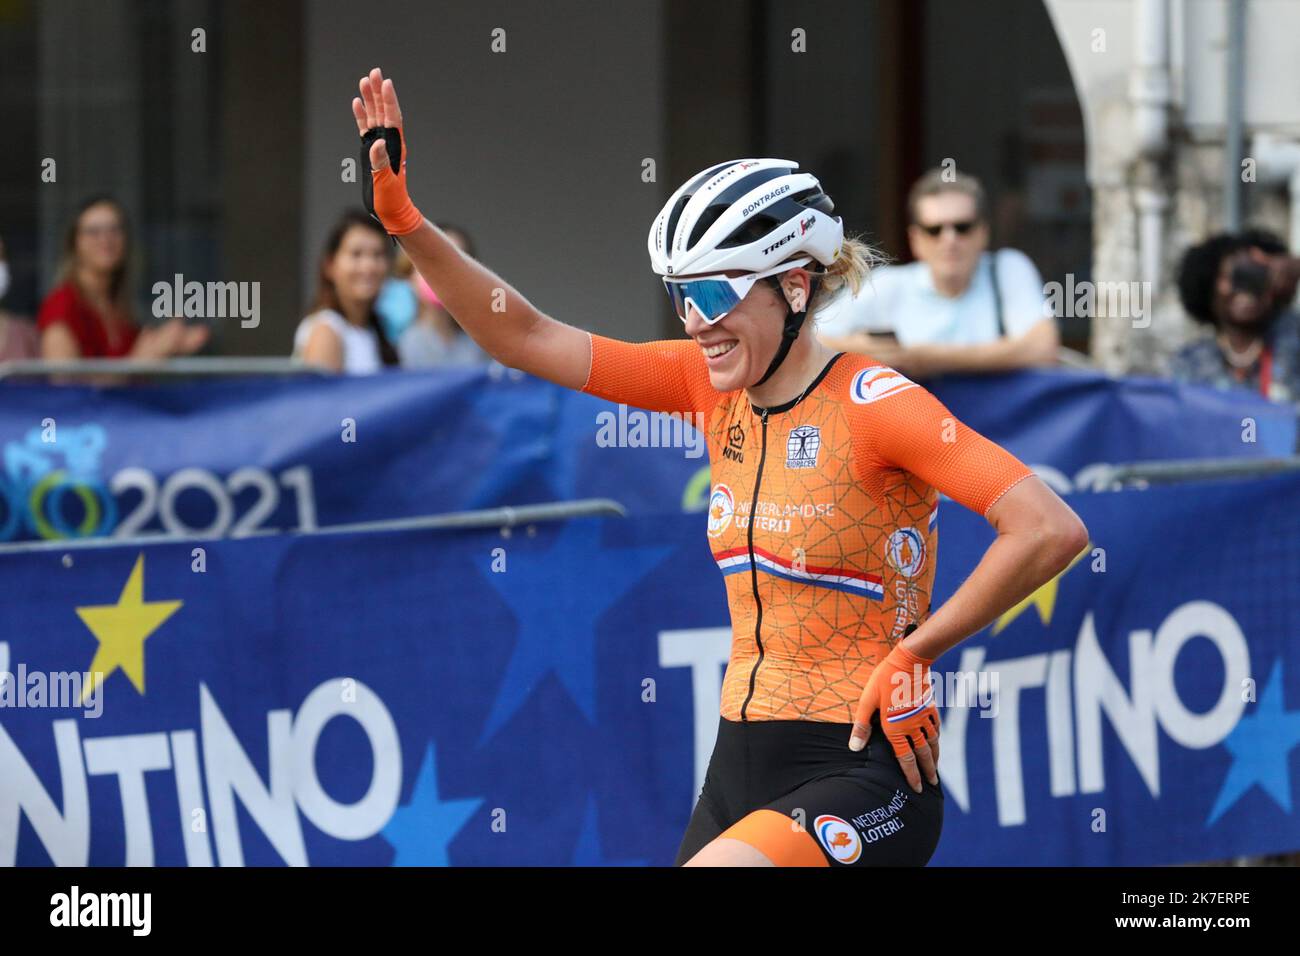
<point x="959" y="307"/>
<point x="434" y="340"/>
<point x="343" y="332"/>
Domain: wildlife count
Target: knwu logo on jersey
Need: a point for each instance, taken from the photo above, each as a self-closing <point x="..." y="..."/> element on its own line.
<point x="735" y="449"/>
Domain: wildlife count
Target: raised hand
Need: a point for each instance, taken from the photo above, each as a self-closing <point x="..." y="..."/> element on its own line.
<point x="383" y="155"/>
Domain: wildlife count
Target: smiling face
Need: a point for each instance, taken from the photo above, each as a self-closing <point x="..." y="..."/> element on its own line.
<point x="360" y="265"/>
<point x="738" y="349"/>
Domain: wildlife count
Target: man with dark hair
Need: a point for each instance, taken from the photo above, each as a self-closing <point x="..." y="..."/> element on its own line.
<point x="1241" y="286"/>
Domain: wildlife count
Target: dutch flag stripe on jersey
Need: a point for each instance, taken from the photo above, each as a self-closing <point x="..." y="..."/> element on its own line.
<point x="736" y="560"/>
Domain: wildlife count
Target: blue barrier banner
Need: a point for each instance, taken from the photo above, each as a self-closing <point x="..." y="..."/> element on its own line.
<point x="1145" y="703"/>
<point x="1066" y="422"/>
<point x="550" y="697"/>
<point x="235" y="458"/>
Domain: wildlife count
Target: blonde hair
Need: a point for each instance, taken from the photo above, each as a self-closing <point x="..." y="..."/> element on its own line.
<point x="852" y="267"/>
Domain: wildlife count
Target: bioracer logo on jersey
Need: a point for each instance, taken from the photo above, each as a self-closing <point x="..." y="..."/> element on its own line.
<point x="802" y="446"/>
<point x="873" y="384"/>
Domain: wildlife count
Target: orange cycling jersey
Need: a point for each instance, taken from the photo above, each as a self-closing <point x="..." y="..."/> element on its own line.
<point x="822" y="515"/>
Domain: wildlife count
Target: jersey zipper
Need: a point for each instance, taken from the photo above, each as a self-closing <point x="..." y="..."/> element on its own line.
<point x="753" y="572"/>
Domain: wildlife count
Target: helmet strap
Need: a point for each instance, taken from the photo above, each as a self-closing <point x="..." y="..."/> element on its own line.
<point x="789" y="331"/>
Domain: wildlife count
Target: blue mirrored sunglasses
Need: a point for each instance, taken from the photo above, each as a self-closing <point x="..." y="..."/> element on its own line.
<point x="715" y="295"/>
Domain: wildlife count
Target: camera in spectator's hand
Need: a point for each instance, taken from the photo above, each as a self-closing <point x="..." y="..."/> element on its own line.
<point x="1245" y="289"/>
<point x="1251" y="277"/>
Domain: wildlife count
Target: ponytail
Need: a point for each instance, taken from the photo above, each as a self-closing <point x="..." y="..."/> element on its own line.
<point x="851" y="268"/>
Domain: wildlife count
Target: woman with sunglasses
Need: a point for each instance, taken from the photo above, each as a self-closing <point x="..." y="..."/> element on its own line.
<point x="822" y="516"/>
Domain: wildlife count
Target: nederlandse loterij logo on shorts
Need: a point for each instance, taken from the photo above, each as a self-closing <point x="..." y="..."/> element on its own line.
<point x="873" y="384"/>
<point x="840" y="839"/>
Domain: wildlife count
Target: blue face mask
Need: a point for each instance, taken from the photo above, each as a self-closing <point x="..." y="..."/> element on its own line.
<point x="397" y="307"/>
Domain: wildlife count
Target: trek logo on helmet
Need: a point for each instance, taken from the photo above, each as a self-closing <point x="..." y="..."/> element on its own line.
<point x="779" y="243"/>
<point x="721" y="176"/>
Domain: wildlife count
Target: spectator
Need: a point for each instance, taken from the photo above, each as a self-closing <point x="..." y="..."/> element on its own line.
<point x="1241" y="286"/>
<point x="398" y="304"/>
<point x="958" y="308"/>
<point x="88" y="314"/>
<point x="435" y="340"/>
<point x="343" y="332"/>
<point x="18" y="339"/>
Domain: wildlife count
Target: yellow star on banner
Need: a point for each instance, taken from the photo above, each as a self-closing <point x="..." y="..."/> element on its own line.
<point x="121" y="630"/>
<point x="1044" y="599"/>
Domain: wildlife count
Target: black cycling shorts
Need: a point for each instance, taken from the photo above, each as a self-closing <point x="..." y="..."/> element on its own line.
<point x="794" y="790"/>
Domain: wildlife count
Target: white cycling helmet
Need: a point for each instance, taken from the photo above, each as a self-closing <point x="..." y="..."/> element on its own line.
<point x="745" y="214"/>
<point x="751" y="215"/>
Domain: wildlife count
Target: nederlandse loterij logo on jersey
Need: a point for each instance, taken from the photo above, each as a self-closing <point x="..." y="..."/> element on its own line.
<point x="873" y="384"/>
<point x="721" y="507"/>
<point x="802" y="446"/>
<point x="905" y="550"/>
<point x="840" y="839"/>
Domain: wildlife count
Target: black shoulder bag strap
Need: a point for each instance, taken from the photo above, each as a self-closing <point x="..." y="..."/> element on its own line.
<point x="997" y="293"/>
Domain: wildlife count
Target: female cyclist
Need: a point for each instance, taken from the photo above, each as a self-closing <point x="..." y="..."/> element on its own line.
<point x="826" y="471"/>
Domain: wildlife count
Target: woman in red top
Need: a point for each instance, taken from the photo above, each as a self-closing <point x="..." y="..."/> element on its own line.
<point x="88" y="314"/>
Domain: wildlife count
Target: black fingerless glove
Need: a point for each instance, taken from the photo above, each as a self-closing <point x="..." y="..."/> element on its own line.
<point x="393" y="143"/>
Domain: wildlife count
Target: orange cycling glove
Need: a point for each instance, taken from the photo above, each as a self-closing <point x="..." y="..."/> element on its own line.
<point x="384" y="190"/>
<point x="900" y="689"/>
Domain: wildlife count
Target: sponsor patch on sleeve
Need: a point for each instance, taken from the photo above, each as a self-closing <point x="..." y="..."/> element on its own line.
<point x="872" y="384"/>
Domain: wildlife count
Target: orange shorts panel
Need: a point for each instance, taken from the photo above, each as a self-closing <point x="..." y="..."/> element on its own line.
<point x="778" y="838"/>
